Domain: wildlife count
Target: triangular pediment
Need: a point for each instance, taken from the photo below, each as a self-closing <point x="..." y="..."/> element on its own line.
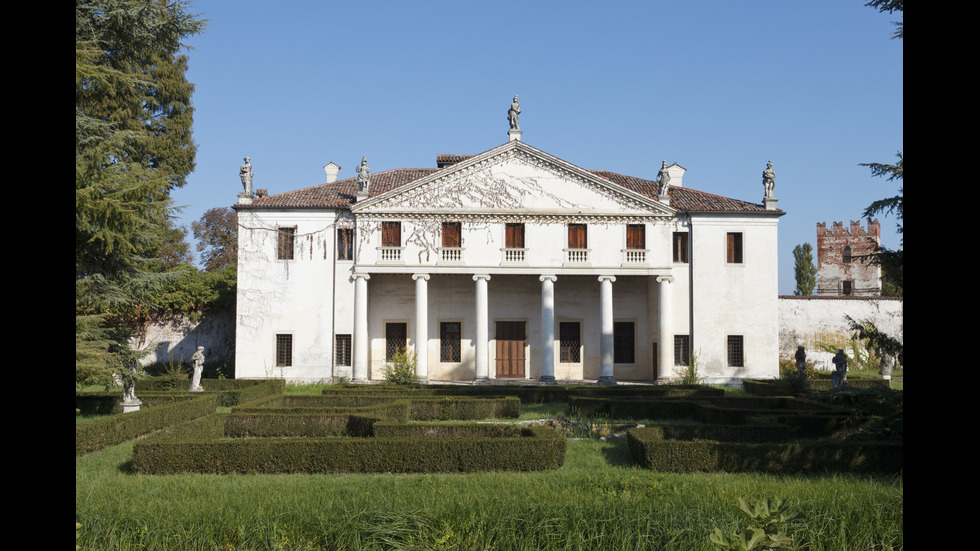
<point x="513" y="180"/>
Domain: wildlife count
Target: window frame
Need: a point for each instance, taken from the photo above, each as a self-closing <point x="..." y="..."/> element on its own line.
<point x="681" y="247"/>
<point x="391" y="233"/>
<point x="570" y="350"/>
<point x="575" y="241"/>
<point x="343" y="349"/>
<point x="735" y="350"/>
<point x="286" y="243"/>
<point x="634" y="231"/>
<point x="735" y="248"/>
<point x="392" y="348"/>
<point x="452" y="235"/>
<point x="345" y="243"/>
<point x="682" y="350"/>
<point x="514" y="231"/>
<point x="450" y="344"/>
<point x="620" y="348"/>
<point x="284" y="349"/>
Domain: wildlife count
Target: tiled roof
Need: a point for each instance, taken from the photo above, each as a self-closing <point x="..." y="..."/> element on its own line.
<point x="340" y="194"/>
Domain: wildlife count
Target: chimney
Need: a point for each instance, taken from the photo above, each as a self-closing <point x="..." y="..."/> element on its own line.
<point x="332" y="169"/>
<point x="676" y="172"/>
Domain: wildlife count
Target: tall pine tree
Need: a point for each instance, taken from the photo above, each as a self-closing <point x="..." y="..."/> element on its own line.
<point x="132" y="148"/>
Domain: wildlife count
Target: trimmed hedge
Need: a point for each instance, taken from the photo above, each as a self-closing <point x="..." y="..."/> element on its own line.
<point x="649" y="449"/>
<point x="780" y="387"/>
<point x="423" y="407"/>
<point x="200" y="447"/>
<point x="159" y="410"/>
<point x="115" y="429"/>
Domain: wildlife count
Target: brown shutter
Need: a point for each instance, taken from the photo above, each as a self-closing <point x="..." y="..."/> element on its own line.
<point x="391" y="234"/>
<point x="514" y="238"/>
<point x="451" y="234"/>
<point x="636" y="237"/>
<point x="577" y="238"/>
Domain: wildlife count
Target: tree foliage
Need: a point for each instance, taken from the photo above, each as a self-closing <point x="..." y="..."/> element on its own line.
<point x="132" y="147"/>
<point x="890" y="6"/>
<point x="804" y="269"/>
<point x="217" y="238"/>
<point x="892" y="262"/>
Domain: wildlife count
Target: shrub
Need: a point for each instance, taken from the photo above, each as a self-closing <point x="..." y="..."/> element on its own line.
<point x="401" y="369"/>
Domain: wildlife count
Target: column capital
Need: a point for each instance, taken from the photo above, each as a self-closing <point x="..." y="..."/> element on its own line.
<point x="417" y="277"/>
<point x="665" y="279"/>
<point x="609" y="278"/>
<point x="361" y="276"/>
<point x="548" y="277"/>
<point x="478" y="277"/>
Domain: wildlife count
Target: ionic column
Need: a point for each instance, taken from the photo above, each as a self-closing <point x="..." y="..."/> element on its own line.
<point x="606" y="337"/>
<point x="421" y="325"/>
<point x="665" y="332"/>
<point x="548" y="329"/>
<point x="482" y="330"/>
<point x="361" y="338"/>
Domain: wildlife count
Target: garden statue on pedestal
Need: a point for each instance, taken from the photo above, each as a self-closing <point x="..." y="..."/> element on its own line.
<point x="801" y="364"/>
<point x="838" y="378"/>
<point x="130" y="401"/>
<point x="198" y="359"/>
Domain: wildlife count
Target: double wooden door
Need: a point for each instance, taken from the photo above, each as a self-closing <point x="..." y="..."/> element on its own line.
<point x="511" y="337"/>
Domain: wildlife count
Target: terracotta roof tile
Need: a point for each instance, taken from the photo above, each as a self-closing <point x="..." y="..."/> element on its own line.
<point x="340" y="194"/>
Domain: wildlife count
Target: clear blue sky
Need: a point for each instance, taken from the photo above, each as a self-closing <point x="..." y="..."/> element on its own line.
<point x="719" y="87"/>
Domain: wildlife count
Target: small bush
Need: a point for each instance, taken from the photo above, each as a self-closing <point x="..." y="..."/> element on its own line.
<point x="401" y="369"/>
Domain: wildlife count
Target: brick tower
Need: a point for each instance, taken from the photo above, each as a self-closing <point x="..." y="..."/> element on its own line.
<point x="843" y="264"/>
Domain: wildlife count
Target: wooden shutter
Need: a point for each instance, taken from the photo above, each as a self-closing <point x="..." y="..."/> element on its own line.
<point x="391" y="234"/>
<point x="514" y="238"/>
<point x="451" y="234"/>
<point x="577" y="238"/>
<point x="636" y="236"/>
<point x="735" y="248"/>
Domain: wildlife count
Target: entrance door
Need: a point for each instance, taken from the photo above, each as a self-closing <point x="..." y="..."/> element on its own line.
<point x="511" y="338"/>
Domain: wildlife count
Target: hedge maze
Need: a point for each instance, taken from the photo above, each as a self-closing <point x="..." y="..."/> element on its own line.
<point x="432" y="428"/>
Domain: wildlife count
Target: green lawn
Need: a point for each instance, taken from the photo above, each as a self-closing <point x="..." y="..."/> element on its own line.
<point x="597" y="500"/>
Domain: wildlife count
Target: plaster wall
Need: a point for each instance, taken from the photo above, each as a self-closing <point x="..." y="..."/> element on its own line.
<point x="732" y="299"/>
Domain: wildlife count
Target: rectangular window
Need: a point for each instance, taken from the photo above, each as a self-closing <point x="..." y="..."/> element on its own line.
<point x="680" y="247"/>
<point x="450" y="341"/>
<point x="636" y="236"/>
<point x="682" y="349"/>
<point x="848" y="287"/>
<point x="343" y="350"/>
<point x="345" y="243"/>
<point x="569" y="342"/>
<point x="514" y="238"/>
<point x="736" y="351"/>
<point x="284" y="350"/>
<point x="396" y="339"/>
<point x="452" y="235"/>
<point x="391" y="234"/>
<point x="287" y="243"/>
<point x="734" y="248"/>
<point x="623" y="342"/>
<point x="577" y="236"/>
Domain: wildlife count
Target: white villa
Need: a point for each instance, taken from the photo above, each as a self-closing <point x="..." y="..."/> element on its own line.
<point x="510" y="264"/>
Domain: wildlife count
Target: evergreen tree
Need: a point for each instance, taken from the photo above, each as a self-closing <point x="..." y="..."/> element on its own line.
<point x="132" y="147"/>
<point x="803" y="268"/>
<point x="892" y="261"/>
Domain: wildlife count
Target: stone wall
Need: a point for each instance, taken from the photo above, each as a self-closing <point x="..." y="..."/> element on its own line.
<point x="179" y="339"/>
<point x="809" y="320"/>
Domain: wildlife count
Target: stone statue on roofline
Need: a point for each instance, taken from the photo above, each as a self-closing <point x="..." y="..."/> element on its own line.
<point x="513" y="113"/>
<point x="663" y="180"/>
<point x="363" y="176"/>
<point x="769" y="179"/>
<point x="245" y="172"/>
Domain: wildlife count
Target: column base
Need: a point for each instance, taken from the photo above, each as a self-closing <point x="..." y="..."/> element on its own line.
<point x="547" y="380"/>
<point x="607" y="380"/>
<point x="481" y="380"/>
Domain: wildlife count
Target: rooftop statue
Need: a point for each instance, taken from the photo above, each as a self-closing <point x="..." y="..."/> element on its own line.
<point x="513" y="113"/>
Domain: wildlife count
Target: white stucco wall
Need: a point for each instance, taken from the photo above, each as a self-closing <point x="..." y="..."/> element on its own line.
<point x="812" y="320"/>
<point x="735" y="299"/>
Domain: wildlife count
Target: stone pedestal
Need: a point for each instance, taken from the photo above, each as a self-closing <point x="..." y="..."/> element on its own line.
<point x="245" y="198"/>
<point x="132" y="405"/>
<point x="515" y="135"/>
<point x="770" y="203"/>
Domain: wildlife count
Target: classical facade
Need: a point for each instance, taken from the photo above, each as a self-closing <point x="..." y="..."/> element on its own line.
<point x="510" y="264"/>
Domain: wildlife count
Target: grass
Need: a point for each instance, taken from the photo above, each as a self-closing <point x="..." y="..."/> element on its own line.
<point x="597" y="500"/>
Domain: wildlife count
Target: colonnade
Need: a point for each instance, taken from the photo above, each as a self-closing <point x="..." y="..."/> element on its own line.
<point x="361" y="337"/>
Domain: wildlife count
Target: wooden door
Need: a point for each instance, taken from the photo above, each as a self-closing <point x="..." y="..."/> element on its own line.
<point x="511" y="338"/>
